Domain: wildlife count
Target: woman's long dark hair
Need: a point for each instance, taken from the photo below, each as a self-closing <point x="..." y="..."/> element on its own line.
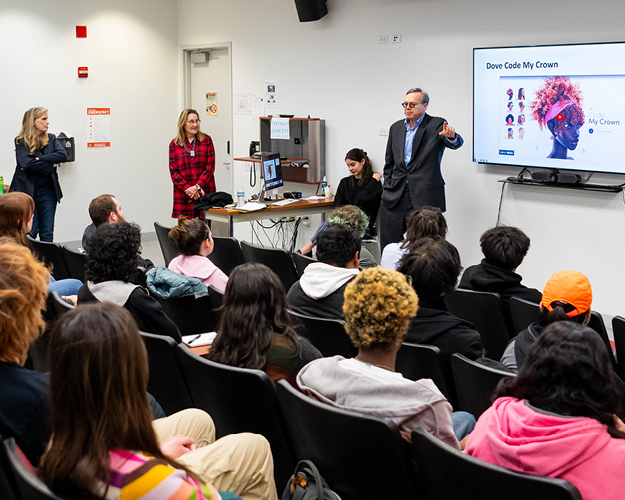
<point x="254" y="308"/>
<point x="358" y="155"/>
<point x="98" y="380"/>
<point x="568" y="372"/>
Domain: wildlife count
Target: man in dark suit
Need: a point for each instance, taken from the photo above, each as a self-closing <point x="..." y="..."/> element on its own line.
<point x="412" y="166"/>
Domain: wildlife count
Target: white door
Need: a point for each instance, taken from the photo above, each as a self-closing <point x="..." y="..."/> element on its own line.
<point x="213" y="76"/>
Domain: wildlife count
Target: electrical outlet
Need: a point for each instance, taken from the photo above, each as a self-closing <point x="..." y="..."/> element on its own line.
<point x="396" y="39"/>
<point x="306" y="221"/>
<point x="383" y="131"/>
<point x="382" y="38"/>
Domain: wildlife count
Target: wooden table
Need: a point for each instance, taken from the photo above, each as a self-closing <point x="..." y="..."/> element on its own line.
<point x="300" y="208"/>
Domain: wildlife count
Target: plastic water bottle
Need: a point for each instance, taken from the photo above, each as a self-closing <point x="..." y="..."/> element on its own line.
<point x="240" y="197"/>
<point x="1" y="185"/>
<point x="324" y="183"/>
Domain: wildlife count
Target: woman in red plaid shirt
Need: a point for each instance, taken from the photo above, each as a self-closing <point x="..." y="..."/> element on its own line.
<point x="191" y="164"/>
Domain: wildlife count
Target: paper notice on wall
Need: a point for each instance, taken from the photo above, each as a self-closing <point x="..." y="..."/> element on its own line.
<point x="211" y="103"/>
<point x="98" y="127"/>
<point x="271" y="94"/>
<point x="258" y="106"/>
<point x="242" y="104"/>
<point x="280" y="128"/>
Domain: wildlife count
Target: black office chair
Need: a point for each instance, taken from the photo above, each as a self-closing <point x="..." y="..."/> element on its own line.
<point x="358" y="455"/>
<point x="276" y="259"/>
<point x="301" y="262"/>
<point x="216" y="298"/>
<point x="485" y="311"/>
<point x="167" y="381"/>
<point x="618" y="330"/>
<point x="75" y="262"/>
<point x="8" y="485"/>
<point x="38" y="350"/>
<point x="449" y="474"/>
<point x="191" y="315"/>
<point x="475" y="383"/>
<point x="30" y="486"/>
<point x="523" y="313"/>
<point x="327" y="335"/>
<point x="416" y="361"/>
<point x="226" y="254"/>
<point x="240" y="400"/>
<point x="52" y="255"/>
<point x="597" y="324"/>
<point x="168" y="247"/>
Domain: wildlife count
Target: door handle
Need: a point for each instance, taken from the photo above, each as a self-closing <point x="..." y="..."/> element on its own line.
<point x="228" y="147"/>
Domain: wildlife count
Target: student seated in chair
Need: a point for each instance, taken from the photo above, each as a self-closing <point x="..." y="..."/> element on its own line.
<point x="504" y="249"/>
<point x="111" y="265"/>
<point x="354" y="217"/>
<point x="378" y="306"/>
<point x="319" y="292"/>
<point x="434" y="265"/>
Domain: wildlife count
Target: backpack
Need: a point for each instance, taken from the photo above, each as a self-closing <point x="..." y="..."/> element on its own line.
<point x="307" y="484"/>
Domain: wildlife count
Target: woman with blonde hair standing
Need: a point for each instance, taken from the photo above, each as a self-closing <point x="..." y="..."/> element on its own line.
<point x="37" y="154"/>
<point x="191" y="164"/>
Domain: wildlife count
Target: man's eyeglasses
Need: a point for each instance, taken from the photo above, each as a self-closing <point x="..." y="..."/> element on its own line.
<point x="410" y="105"/>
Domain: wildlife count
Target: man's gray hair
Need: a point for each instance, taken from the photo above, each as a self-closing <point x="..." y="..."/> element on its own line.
<point x="425" y="98"/>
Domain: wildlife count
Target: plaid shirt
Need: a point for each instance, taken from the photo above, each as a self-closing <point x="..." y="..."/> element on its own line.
<point x="187" y="171"/>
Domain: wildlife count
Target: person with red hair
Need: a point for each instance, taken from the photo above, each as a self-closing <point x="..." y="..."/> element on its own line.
<point x="558" y="106"/>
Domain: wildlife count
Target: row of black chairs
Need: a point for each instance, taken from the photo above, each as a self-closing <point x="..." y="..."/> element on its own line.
<point x="229" y="253"/>
<point x="65" y="262"/>
<point x="242" y="400"/>
<point x="485" y="311"/>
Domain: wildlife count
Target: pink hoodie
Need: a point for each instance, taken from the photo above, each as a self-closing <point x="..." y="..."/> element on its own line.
<point x="578" y="449"/>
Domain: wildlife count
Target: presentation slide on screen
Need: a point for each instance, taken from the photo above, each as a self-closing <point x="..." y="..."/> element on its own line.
<point x="558" y="106"/>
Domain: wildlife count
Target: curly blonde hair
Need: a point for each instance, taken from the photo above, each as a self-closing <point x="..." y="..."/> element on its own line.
<point x="378" y="307"/>
<point x="22" y="298"/>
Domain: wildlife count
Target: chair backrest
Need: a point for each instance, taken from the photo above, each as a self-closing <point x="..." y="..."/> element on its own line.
<point x="358" y="455"/>
<point x="475" y="383"/>
<point x="240" y="400"/>
<point x="8" y="485"/>
<point x="216" y="299"/>
<point x="52" y="255"/>
<point x="75" y="262"/>
<point x="167" y="381"/>
<point x="523" y="313"/>
<point x="416" y="361"/>
<point x="301" y="262"/>
<point x="618" y="330"/>
<point x="38" y="350"/>
<point x="447" y="473"/>
<point x="168" y="247"/>
<point x="327" y="335"/>
<point x="226" y="254"/>
<point x="597" y="324"/>
<point x="485" y="311"/>
<point x="276" y="259"/>
<point x="30" y="486"/>
<point x="191" y="315"/>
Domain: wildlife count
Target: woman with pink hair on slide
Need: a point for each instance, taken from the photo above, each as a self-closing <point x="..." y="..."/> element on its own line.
<point x="558" y="107"/>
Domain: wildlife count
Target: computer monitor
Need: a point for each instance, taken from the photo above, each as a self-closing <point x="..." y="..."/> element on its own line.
<point x="272" y="173"/>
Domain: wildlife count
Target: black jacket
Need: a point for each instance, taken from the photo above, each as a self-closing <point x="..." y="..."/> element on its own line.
<point x="329" y="307"/>
<point x="146" y="311"/>
<point x="30" y="171"/>
<point x="433" y="325"/>
<point x="367" y="197"/>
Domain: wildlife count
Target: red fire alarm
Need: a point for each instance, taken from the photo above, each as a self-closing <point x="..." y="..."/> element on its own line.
<point x="81" y="32"/>
<point x="83" y="72"/>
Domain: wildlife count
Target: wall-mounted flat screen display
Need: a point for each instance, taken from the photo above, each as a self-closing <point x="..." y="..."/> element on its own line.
<point x="557" y="106"/>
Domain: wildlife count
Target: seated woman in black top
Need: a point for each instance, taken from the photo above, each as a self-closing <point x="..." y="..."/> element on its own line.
<point x="362" y="188"/>
<point x="255" y="329"/>
<point x="111" y="265"/>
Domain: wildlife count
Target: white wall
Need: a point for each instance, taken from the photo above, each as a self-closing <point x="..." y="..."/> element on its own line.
<point x="335" y="69"/>
<point x="133" y="69"/>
